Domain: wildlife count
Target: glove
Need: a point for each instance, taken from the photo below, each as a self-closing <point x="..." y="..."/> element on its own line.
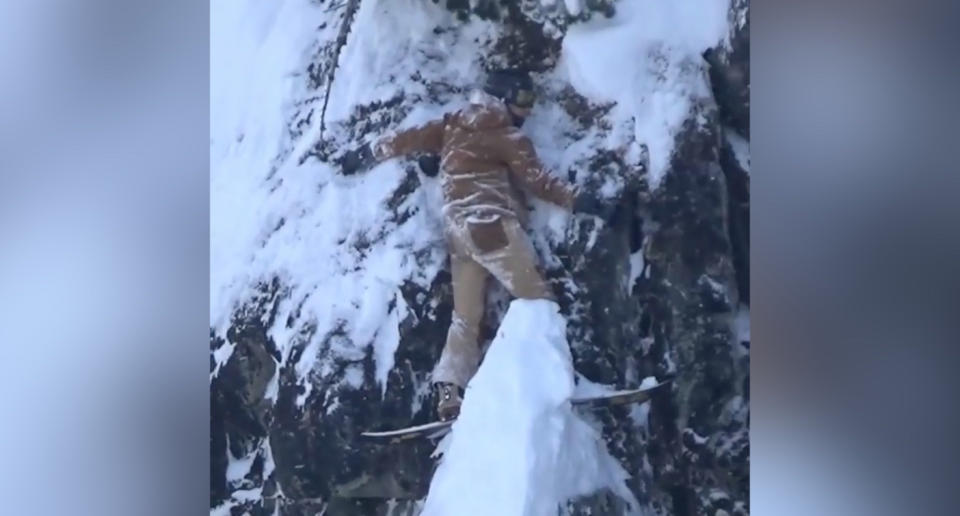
<point x="357" y="160"/>
<point x="429" y="164"/>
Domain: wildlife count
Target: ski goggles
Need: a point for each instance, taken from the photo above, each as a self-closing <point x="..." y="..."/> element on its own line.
<point x="524" y="99"/>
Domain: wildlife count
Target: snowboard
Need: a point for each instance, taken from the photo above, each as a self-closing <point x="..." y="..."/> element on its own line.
<point x="437" y="429"/>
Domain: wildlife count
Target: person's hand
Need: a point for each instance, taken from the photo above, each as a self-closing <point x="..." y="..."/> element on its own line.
<point x="357" y="160"/>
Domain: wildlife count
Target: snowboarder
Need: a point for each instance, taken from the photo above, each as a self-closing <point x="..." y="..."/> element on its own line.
<point x="484" y="159"/>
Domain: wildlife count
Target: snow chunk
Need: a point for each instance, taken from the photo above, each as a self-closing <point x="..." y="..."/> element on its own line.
<point x="637" y="264"/>
<point x="388" y="340"/>
<point x="224" y="509"/>
<point x="220" y="357"/>
<point x="517" y="432"/>
<point x="741" y="148"/>
<point x="655" y="47"/>
<point x="239" y="467"/>
<point x="248" y="495"/>
<point x="573" y="7"/>
<point x="272" y="390"/>
<point x="587" y="388"/>
<point x="743" y="324"/>
<point x="740" y="326"/>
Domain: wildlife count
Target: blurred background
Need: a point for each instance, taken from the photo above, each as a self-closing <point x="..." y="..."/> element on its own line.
<point x="104" y="115"/>
<point x="103" y="224"/>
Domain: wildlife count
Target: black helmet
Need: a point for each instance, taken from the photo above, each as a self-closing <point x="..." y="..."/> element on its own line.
<point x="511" y="86"/>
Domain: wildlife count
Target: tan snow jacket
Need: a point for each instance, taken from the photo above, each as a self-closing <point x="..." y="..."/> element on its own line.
<point x="484" y="160"/>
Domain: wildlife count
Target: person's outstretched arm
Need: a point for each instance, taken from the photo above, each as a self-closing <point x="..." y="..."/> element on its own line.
<point x="521" y="157"/>
<point x="425" y="138"/>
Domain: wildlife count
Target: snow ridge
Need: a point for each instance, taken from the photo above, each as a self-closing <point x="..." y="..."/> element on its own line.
<point x="517" y="431"/>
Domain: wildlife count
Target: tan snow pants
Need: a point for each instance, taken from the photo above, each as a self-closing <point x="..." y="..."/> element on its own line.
<point x="501" y="249"/>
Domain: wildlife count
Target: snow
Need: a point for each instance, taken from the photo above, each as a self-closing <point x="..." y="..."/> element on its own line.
<point x="247" y="495"/>
<point x="640" y="415"/>
<point x="655" y="48"/>
<point x="254" y="48"/>
<point x="393" y="38"/>
<point x="637" y="263"/>
<point x="741" y="148"/>
<point x="742" y="324"/>
<point x="223" y="509"/>
<point x="648" y="382"/>
<point x="697" y="438"/>
<point x="269" y="465"/>
<point x="671" y="365"/>
<point x="740" y="328"/>
<point x="353" y="375"/>
<point x="220" y="357"/>
<point x="272" y="391"/>
<point x="239" y="467"/>
<point x="517" y="430"/>
<point x="302" y="397"/>
<point x="421" y="394"/>
<point x="640" y="412"/>
<point x="329" y="239"/>
<point x="388" y="340"/>
<point x="587" y="388"/>
<point x="573" y="7"/>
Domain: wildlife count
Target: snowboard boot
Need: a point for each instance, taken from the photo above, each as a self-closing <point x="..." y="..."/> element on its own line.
<point x="449" y="397"/>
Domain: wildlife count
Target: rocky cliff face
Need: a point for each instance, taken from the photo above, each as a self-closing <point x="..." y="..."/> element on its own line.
<point x="661" y="290"/>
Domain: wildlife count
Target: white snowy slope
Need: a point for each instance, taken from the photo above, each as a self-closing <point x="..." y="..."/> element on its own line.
<point x="271" y="216"/>
<point x="646" y="59"/>
<point x="517" y="447"/>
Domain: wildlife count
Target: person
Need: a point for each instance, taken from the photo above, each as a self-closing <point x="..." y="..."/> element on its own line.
<point x="484" y="160"/>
